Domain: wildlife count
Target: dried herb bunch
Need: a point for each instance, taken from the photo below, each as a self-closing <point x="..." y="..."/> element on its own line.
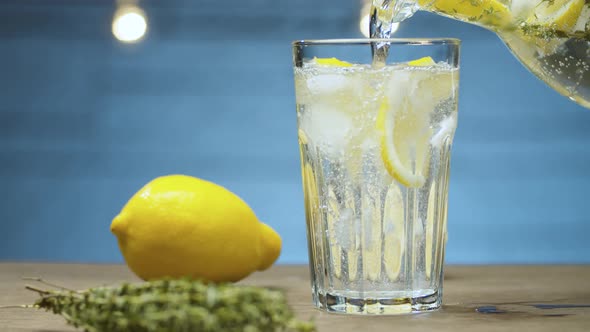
<point x="174" y="305"/>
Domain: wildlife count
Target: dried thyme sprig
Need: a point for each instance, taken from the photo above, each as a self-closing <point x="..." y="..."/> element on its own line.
<point x="545" y="32"/>
<point x="175" y="306"/>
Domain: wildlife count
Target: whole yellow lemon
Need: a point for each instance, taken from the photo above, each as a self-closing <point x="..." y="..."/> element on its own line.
<point x="182" y="226"/>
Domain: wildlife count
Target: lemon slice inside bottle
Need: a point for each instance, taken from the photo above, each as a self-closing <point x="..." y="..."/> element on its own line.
<point x="559" y="14"/>
<point x="487" y="12"/>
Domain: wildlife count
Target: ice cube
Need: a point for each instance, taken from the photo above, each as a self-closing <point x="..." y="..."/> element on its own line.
<point x="327" y="127"/>
<point x="446" y="128"/>
<point x="398" y="87"/>
<point x="328" y="83"/>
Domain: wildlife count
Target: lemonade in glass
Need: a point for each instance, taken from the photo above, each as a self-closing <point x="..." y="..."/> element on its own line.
<point x="375" y="146"/>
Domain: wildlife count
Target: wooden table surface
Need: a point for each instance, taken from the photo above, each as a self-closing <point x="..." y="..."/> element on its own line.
<point x="477" y="298"/>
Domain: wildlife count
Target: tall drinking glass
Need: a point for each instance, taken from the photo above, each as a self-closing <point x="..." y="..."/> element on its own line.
<point x="375" y="139"/>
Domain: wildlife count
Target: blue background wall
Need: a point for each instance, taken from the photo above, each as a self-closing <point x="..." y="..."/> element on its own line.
<point x="85" y="121"/>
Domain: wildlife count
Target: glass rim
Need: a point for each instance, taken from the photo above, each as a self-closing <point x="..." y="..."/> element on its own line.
<point x="366" y="41"/>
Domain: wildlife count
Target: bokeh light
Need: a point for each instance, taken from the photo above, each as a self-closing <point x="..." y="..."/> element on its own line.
<point x="129" y="24"/>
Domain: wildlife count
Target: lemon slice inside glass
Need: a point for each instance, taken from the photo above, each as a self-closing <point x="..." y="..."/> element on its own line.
<point x="331" y="62"/>
<point x="405" y="134"/>
<point x="422" y="62"/>
<point x="404" y="143"/>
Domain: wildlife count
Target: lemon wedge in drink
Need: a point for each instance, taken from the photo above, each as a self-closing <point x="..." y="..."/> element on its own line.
<point x="422" y="62"/>
<point x="404" y="145"/>
<point x="559" y="14"/>
<point x="404" y="126"/>
<point x="331" y="62"/>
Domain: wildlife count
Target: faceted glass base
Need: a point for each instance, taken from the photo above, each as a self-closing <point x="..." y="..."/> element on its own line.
<point x="379" y="305"/>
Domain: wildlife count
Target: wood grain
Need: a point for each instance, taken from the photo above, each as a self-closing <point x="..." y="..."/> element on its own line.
<point x="477" y="298"/>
